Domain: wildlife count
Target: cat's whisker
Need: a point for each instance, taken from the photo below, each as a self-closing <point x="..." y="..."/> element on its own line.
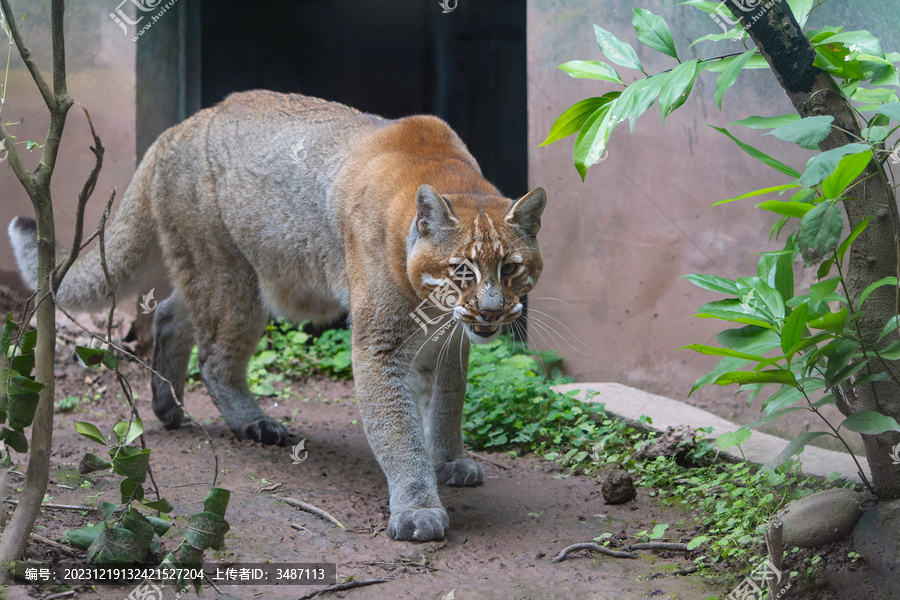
<point x="555" y="300"/>
<point x="529" y="351"/>
<point x="553" y="334"/>
<point x="549" y="316"/>
<point x="413" y="334"/>
<point x="537" y="328"/>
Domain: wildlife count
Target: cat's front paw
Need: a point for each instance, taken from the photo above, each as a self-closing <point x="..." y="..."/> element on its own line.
<point x="462" y="472"/>
<point x="419" y="524"/>
<point x="267" y="431"/>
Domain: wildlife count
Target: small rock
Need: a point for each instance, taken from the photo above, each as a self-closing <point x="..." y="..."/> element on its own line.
<point x="877" y="539"/>
<point x="820" y="518"/>
<point x="674" y="442"/>
<point x="618" y="487"/>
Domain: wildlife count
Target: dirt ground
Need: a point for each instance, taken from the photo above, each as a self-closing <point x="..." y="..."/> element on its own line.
<point x="502" y="537"/>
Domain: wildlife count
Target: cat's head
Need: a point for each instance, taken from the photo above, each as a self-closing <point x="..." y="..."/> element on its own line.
<point x="475" y="255"/>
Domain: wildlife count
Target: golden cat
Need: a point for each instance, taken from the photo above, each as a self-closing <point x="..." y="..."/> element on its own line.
<point x="273" y="204"/>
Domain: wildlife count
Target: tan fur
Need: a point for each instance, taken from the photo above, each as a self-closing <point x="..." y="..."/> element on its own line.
<point x="270" y="204"/>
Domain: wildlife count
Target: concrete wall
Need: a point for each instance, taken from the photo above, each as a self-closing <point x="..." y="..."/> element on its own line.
<point x="616" y="246"/>
<point x="101" y="77"/>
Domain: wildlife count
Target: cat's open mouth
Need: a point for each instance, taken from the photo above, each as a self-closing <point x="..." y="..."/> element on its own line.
<point x="484" y="330"/>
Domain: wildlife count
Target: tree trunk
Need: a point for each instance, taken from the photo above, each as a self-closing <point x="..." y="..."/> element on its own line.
<point x="17" y="532"/>
<point x="874" y="254"/>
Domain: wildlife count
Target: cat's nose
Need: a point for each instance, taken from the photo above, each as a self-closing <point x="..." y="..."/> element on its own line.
<point x="490" y="315"/>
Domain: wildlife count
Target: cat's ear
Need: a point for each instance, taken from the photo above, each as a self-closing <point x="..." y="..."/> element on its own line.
<point x="525" y="213"/>
<point x="433" y="213"/>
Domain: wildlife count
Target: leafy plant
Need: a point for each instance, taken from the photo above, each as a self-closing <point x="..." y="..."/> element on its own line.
<point x="19" y="399"/>
<point x="809" y="341"/>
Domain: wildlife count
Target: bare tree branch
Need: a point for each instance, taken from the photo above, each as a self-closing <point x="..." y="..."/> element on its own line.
<point x="83" y="196"/>
<point x="25" y="53"/>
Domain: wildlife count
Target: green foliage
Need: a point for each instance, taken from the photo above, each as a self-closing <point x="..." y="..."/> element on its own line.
<point x="19" y="393"/>
<point x="801" y="341"/>
<point x="285" y="352"/>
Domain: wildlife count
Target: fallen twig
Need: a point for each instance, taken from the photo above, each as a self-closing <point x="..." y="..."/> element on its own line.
<point x="339" y="587"/>
<point x="305" y="506"/>
<point x="60" y="595"/>
<point x="59" y="506"/>
<point x="686" y="570"/>
<point x="592" y="546"/>
<point x="57" y="545"/>
<point x="659" y="546"/>
<point x="487" y="460"/>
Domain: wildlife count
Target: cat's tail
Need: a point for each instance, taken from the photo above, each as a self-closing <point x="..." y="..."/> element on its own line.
<point x="132" y="251"/>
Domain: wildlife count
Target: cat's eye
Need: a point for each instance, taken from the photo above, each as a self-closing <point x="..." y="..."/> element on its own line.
<point x="463" y="273"/>
<point x="509" y="269"/>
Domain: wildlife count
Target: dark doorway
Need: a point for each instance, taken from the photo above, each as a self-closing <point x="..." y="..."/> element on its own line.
<point x="393" y="58"/>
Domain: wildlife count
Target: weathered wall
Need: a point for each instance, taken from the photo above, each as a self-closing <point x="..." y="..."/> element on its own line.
<point x="616" y="246"/>
<point x="101" y="77"/>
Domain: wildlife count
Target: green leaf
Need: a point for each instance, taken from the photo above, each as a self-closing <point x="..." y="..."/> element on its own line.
<point x="658" y="531"/>
<point x="216" y="501"/>
<point x="92" y="463"/>
<point x="132" y="465"/>
<point x="591" y="141"/>
<point x="860" y="227"/>
<point x="89" y="431"/>
<point x="700" y="539"/>
<point x="794" y="327"/>
<point x="767" y="122"/>
<point x="872" y="287"/>
<point x="160" y="526"/>
<point x="765" y="377"/>
<point x="22" y="401"/>
<point x="824" y="164"/>
<point x="206" y="530"/>
<point x="635" y="100"/>
<point x="730" y="74"/>
<point x="795" y="447"/>
<point x="831" y="321"/>
<point x="820" y="231"/>
<point x="131" y="491"/>
<point x="128" y="432"/>
<point x="786" y="209"/>
<point x="848" y="169"/>
<point x="891" y="109"/>
<point x="890" y="326"/>
<point x="162" y="505"/>
<point x="705" y="5"/>
<point x="760" y="156"/>
<point x="676" y="86"/>
<point x="713" y="283"/>
<point x="801" y="10"/>
<point x="733" y="438"/>
<point x="819" y="291"/>
<point x="591" y="69"/>
<point x="83" y="538"/>
<point x="760" y="192"/>
<point x="733" y="310"/>
<point x="752" y="340"/>
<point x="714" y="351"/>
<point x="725" y="365"/>
<point x="15" y="440"/>
<point x="870" y="422"/>
<point x="806" y="133"/>
<point x="653" y="32"/>
<point x="772" y="301"/>
<point x="616" y="50"/>
<point x="89" y="356"/>
<point x="6" y="336"/>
